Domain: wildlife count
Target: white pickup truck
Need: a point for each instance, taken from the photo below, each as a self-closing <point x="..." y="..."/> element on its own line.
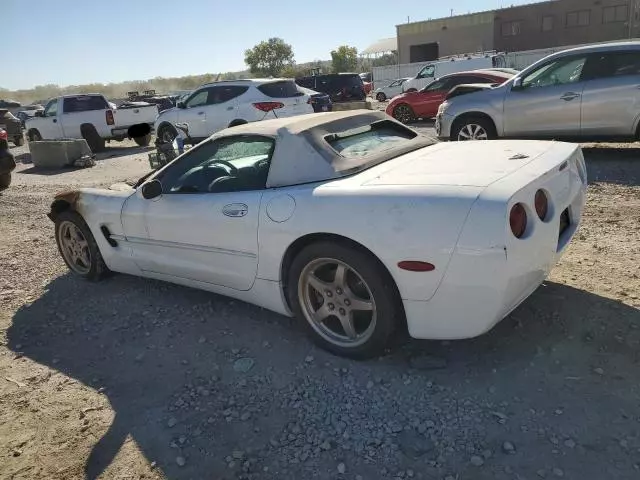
<point x="93" y="118"/>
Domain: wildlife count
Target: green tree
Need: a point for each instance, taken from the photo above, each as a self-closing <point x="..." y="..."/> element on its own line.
<point x="269" y="58"/>
<point x="344" y="59"/>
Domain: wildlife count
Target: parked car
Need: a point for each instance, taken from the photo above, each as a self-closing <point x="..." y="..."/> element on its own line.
<point x="321" y="102"/>
<point x="341" y="87"/>
<point x="7" y="162"/>
<point x="367" y="82"/>
<point x="13" y="127"/>
<point x="389" y="91"/>
<point x="409" y="106"/>
<point x="352" y="222"/>
<point x="584" y="93"/>
<point x="443" y="67"/>
<point x="93" y="118"/>
<point x="9" y="104"/>
<point x="164" y="102"/>
<point x="218" y="105"/>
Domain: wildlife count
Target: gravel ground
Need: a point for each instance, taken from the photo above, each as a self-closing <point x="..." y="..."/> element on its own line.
<point x="132" y="378"/>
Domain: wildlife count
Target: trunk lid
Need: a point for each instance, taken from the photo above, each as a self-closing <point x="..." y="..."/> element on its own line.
<point x="477" y="164"/>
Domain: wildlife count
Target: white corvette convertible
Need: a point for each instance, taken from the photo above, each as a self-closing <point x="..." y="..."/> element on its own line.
<point x="350" y="221"/>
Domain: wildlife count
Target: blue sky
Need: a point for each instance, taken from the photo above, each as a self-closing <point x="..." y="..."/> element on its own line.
<point x="84" y="41"/>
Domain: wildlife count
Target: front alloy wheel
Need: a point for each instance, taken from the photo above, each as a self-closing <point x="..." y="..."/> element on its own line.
<point x="472" y="131"/>
<point x="404" y="113"/>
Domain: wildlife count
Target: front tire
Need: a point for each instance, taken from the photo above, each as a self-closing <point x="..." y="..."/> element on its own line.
<point x="34" y="135"/>
<point x="346" y="300"/>
<point x="78" y="247"/>
<point x="473" y="128"/>
<point x="404" y="113"/>
<point x="167" y="133"/>
<point x="18" y="141"/>
<point x="381" y="97"/>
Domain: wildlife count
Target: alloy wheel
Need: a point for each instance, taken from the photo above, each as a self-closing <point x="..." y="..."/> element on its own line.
<point x="337" y="302"/>
<point x="74" y="247"/>
<point x="472" y="131"/>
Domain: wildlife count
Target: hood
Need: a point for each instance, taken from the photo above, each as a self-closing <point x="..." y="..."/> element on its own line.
<point x="407" y="95"/>
<point x="476" y="164"/>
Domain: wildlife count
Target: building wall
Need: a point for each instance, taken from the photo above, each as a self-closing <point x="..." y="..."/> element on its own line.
<point x="532" y="35"/>
<point x="461" y="34"/>
<point x="495" y="30"/>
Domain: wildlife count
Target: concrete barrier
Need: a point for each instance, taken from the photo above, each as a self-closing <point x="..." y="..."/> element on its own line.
<point x="58" y="153"/>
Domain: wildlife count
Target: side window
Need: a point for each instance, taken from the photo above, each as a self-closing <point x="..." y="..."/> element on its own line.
<point x="479" y="79"/>
<point x="427" y="72"/>
<point x="228" y="164"/>
<point x="283" y="89"/>
<point x="559" y="72"/>
<point x="222" y="94"/>
<point x="198" y="99"/>
<point x="617" y="64"/>
<point x="51" y="110"/>
<point x="86" y="103"/>
<point x="443" y="84"/>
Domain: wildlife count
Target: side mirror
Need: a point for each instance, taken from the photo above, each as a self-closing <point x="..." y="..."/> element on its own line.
<point x="39" y="113"/>
<point x="152" y="189"/>
<point x="181" y="105"/>
<point x="517" y="84"/>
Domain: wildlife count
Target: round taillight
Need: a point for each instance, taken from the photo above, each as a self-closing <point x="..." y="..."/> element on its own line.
<point x="518" y="220"/>
<point x="542" y="204"/>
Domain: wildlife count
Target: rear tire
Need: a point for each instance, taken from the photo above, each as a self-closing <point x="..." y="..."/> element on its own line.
<point x="331" y="316"/>
<point x="143" y="141"/>
<point x="381" y="97"/>
<point x="78" y="247"/>
<point x="18" y="141"/>
<point x="96" y="142"/>
<point x="5" y="181"/>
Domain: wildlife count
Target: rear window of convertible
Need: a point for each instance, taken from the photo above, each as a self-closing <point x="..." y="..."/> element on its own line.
<point x="370" y="139"/>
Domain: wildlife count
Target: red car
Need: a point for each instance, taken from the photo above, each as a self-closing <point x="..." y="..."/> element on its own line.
<point x="425" y="103"/>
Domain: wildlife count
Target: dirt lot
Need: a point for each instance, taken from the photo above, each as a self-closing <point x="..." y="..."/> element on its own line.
<point x="132" y="378"/>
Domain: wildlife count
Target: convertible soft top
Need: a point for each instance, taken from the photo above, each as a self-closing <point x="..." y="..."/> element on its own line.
<point x="304" y="154"/>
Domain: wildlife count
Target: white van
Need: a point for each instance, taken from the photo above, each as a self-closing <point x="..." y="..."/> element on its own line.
<point x="452" y="65"/>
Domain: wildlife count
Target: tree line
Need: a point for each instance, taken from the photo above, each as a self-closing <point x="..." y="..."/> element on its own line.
<point x="270" y="58"/>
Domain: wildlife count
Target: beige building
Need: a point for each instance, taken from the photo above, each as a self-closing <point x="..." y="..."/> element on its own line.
<point x="525" y="27"/>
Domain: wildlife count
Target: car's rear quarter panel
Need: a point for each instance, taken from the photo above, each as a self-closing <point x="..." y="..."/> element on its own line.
<point x="394" y="223"/>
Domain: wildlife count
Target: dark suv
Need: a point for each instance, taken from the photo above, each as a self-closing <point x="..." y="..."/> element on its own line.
<point x="341" y="87"/>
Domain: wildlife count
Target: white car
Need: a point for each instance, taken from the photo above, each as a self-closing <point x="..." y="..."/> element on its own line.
<point x="389" y="91"/>
<point x="352" y="222"/>
<point x="219" y="105"/>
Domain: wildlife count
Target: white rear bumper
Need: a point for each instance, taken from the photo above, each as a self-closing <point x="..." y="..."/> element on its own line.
<point x="481" y="286"/>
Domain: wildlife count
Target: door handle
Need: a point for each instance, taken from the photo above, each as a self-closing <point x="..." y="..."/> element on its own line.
<point x="567" y="97"/>
<point x="200" y="113"/>
<point x="235" y="210"/>
<point x="229" y="108"/>
<point x="55" y="120"/>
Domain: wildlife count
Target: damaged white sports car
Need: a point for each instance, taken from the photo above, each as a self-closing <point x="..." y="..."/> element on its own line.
<point x="350" y="221"/>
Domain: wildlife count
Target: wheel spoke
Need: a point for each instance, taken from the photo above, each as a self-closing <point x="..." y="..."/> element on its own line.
<point x="318" y="285"/>
<point x="341" y="276"/>
<point x="360" y="304"/>
<point x="321" y="314"/>
<point x="84" y="257"/>
<point x="347" y="325"/>
<point x="464" y="133"/>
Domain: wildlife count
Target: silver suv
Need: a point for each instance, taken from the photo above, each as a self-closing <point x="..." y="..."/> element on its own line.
<point x="588" y="92"/>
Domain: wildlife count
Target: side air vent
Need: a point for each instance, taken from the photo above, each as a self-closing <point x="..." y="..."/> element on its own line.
<point x="107" y="235"/>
